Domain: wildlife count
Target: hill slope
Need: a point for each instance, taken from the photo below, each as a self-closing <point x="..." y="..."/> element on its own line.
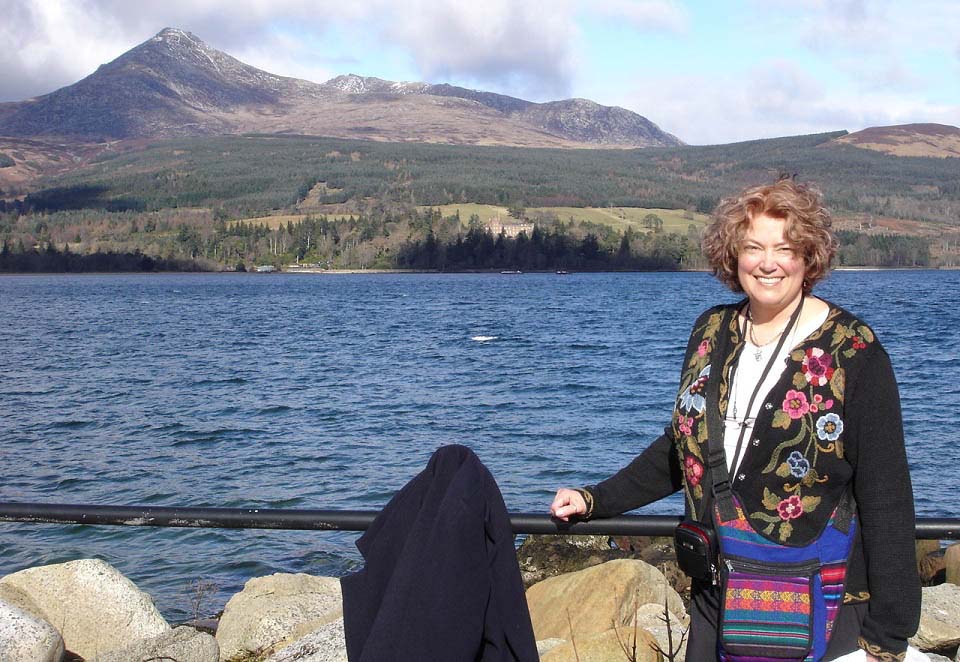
<point x="252" y="175"/>
<point x="931" y="140"/>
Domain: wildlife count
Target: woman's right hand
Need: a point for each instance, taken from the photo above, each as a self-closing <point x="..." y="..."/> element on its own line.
<point x="567" y="503"/>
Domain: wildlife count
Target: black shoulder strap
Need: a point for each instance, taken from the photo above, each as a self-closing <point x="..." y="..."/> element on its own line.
<point x="845" y="510"/>
<point x="716" y="457"/>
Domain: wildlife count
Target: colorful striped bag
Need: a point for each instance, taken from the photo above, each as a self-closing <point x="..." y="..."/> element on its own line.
<point x="780" y="602"/>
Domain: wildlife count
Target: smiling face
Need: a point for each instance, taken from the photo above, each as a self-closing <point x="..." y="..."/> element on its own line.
<point x="770" y="270"/>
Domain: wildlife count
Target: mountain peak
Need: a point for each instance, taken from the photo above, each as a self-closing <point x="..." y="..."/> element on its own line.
<point x="176" y="35"/>
<point x="355" y="84"/>
<point x="173" y="51"/>
<point x="174" y="84"/>
<point x="168" y="33"/>
<point x="176" y="43"/>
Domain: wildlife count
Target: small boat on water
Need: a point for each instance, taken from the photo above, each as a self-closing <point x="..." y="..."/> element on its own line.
<point x="511" y="271"/>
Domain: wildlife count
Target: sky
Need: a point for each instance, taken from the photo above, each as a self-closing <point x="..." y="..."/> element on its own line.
<point x="709" y="72"/>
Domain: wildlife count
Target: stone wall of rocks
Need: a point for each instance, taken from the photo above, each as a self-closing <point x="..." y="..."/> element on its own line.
<point x="606" y="606"/>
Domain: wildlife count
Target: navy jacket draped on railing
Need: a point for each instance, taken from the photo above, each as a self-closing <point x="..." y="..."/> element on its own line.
<point x="441" y="580"/>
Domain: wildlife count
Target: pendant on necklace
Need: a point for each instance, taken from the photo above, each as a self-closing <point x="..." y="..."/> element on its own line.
<point x="757" y="354"/>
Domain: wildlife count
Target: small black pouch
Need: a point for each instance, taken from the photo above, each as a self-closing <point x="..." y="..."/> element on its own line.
<point x="696" y="547"/>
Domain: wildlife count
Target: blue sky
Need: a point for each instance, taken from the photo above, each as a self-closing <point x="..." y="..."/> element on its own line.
<point x="709" y="72"/>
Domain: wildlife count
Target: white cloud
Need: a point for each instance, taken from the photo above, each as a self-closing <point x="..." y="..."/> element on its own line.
<point x="868" y="53"/>
<point x="50" y="44"/>
<point x="283" y="55"/>
<point x="645" y="15"/>
<point x="775" y="99"/>
<point x="523" y="47"/>
<point x="515" y="47"/>
<point x="876" y="43"/>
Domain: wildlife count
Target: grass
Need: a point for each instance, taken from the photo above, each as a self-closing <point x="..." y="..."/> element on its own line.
<point x="468" y="209"/>
<point x="619" y="218"/>
<point x="674" y="220"/>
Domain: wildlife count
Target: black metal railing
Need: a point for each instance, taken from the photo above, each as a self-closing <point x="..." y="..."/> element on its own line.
<point x="931" y="528"/>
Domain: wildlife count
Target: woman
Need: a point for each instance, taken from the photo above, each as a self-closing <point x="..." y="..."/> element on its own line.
<point x="805" y="400"/>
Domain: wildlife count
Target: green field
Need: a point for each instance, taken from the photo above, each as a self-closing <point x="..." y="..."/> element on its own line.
<point x="619" y="218"/>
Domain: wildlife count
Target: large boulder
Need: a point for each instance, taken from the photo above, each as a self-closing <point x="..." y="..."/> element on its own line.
<point x="325" y="644"/>
<point x="546" y="556"/>
<point x="939" y="619"/>
<point x="658" y="551"/>
<point x="929" y="562"/>
<point x="666" y="628"/>
<point x="183" y="644"/>
<point x="93" y="605"/>
<point x="598" y="598"/>
<point x="624" y="643"/>
<point x="18" y="598"/>
<point x="543" y="556"/>
<point x="271" y="612"/>
<point x="951" y="562"/>
<point x="25" y="638"/>
<point x="545" y="645"/>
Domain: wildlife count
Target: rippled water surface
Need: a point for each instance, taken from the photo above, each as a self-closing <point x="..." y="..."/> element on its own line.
<point x="331" y="391"/>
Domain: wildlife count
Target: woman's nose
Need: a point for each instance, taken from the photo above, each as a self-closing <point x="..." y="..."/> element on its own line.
<point x="768" y="261"/>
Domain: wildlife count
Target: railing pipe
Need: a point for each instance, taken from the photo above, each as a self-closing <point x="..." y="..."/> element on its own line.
<point x="939" y="528"/>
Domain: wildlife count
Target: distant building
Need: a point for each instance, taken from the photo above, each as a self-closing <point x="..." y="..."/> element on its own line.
<point x="509" y="229"/>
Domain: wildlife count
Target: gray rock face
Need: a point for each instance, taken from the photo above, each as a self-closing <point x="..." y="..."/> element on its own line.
<point x="939" y="618"/>
<point x="95" y="608"/>
<point x="25" y="638"/>
<point x="583" y="120"/>
<point x="951" y="562"/>
<point x="17" y="598"/>
<point x="182" y="644"/>
<point x="271" y="612"/>
<point x="325" y="644"/>
<point x="593" y="600"/>
<point x="652" y="619"/>
<point x="545" y="645"/>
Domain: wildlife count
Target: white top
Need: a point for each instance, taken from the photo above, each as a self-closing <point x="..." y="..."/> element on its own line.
<point x="913" y="655"/>
<point x="749" y="367"/>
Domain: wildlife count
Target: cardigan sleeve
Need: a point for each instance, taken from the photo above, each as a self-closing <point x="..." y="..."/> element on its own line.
<point x="652" y="475"/>
<point x="882" y="489"/>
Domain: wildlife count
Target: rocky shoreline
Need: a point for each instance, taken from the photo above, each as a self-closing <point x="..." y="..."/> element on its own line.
<point x="591" y="598"/>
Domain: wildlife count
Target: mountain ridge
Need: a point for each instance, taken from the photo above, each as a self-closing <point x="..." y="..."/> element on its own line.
<point x="924" y="139"/>
<point x="174" y="84"/>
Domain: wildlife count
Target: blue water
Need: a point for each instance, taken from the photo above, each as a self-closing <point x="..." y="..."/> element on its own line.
<point x="331" y="391"/>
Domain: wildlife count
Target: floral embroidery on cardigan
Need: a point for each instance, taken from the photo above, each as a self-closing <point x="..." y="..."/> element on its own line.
<point x="818" y="386"/>
<point x="808" y="424"/>
<point x="689" y="424"/>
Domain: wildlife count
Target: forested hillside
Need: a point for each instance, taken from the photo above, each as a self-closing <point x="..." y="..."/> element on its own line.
<point x="355" y="203"/>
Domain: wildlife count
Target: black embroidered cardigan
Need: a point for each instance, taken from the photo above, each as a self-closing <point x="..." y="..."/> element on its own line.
<point x="832" y="420"/>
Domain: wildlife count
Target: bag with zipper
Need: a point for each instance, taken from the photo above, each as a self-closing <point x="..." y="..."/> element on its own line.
<point x="780" y="602"/>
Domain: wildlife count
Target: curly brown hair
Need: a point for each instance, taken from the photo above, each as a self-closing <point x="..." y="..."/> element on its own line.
<point x="807" y="228"/>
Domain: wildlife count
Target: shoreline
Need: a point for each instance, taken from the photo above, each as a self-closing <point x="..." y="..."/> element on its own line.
<point x="496" y="272"/>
